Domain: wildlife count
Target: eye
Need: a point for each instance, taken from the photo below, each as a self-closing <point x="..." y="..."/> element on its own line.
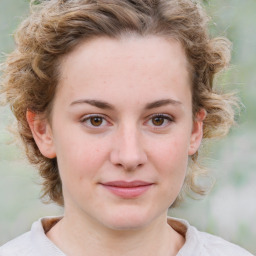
<point x="160" y="120"/>
<point x="94" y="121"/>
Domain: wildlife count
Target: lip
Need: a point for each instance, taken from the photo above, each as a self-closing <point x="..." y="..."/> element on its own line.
<point x="127" y="189"/>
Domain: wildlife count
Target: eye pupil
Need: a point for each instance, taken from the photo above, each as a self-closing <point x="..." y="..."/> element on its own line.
<point x="158" y="121"/>
<point x="96" y="121"/>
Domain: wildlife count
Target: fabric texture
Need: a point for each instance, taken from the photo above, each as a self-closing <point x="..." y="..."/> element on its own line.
<point x="36" y="243"/>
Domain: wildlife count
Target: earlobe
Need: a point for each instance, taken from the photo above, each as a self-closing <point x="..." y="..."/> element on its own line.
<point x="197" y="132"/>
<point x="42" y="133"/>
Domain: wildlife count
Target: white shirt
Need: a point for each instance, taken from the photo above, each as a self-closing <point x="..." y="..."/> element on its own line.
<point x="36" y="243"/>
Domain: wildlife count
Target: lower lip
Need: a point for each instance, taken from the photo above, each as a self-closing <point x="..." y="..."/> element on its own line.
<point x="128" y="192"/>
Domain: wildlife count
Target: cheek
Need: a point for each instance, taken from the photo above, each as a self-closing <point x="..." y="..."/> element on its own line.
<point x="80" y="166"/>
<point x="173" y="151"/>
<point x="79" y="158"/>
<point x="171" y="163"/>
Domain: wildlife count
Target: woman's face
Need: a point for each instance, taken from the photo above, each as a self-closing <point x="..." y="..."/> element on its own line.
<point x="122" y="129"/>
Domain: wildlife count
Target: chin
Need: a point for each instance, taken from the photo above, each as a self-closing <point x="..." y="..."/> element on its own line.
<point x="129" y="219"/>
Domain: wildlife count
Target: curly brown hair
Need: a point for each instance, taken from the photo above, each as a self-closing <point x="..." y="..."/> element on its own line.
<point x="54" y="28"/>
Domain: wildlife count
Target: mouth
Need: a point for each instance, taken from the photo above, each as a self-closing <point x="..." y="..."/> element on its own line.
<point x="128" y="190"/>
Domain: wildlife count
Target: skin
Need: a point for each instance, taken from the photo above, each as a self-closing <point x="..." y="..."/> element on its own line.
<point x="132" y="80"/>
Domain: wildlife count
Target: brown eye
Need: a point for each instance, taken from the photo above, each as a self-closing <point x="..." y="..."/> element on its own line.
<point x="158" y="120"/>
<point x="96" y="120"/>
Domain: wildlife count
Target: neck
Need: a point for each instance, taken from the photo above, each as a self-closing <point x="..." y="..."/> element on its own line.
<point x="84" y="237"/>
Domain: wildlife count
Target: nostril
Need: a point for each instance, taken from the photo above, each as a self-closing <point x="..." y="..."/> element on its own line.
<point x="128" y="153"/>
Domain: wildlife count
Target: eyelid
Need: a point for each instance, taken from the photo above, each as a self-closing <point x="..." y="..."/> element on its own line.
<point x="167" y="117"/>
<point x="88" y="116"/>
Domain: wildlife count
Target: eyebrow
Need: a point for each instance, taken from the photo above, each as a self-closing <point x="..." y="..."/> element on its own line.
<point x="105" y="105"/>
<point x="163" y="102"/>
<point x="95" y="103"/>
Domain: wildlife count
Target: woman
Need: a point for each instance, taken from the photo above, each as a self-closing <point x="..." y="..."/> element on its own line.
<point x="113" y="99"/>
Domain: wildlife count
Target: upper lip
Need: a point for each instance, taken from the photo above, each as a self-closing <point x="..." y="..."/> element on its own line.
<point x="127" y="184"/>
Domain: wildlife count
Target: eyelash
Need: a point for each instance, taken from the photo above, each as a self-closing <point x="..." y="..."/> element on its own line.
<point x="90" y="117"/>
<point x="165" y="117"/>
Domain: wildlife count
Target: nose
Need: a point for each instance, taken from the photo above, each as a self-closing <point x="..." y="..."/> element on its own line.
<point x="128" y="151"/>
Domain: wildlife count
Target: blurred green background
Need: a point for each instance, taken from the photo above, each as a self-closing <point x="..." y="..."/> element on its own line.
<point x="230" y="210"/>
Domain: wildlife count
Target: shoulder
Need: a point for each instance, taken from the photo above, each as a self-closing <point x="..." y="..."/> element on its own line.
<point x="203" y="244"/>
<point x="217" y="246"/>
<point x="19" y="246"/>
<point x="34" y="242"/>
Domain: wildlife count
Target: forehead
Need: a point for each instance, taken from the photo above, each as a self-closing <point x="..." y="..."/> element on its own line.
<point x="128" y="48"/>
<point x="141" y="64"/>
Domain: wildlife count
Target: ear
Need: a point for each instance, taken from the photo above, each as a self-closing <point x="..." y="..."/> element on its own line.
<point x="42" y="133"/>
<point x="197" y="132"/>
